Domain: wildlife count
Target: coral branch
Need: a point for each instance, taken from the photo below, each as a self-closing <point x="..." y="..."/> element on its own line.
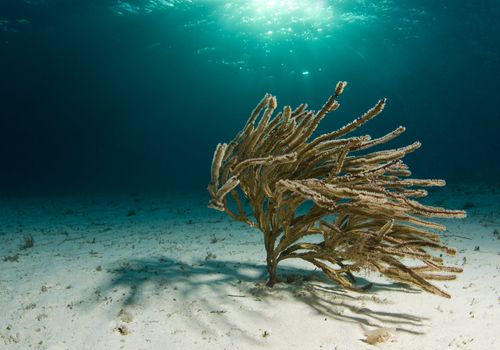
<point x="361" y="205"/>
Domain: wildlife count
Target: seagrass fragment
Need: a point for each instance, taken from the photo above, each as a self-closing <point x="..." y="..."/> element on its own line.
<point x="361" y="205"/>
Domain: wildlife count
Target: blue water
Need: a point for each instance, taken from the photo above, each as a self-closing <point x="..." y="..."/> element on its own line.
<point x="113" y="95"/>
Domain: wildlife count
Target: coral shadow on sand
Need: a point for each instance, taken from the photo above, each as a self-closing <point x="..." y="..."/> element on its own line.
<point x="211" y="283"/>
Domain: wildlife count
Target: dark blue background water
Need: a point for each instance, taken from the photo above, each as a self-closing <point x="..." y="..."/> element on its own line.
<point x="105" y="96"/>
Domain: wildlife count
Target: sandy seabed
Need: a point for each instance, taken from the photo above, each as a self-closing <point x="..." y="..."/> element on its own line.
<point x="164" y="272"/>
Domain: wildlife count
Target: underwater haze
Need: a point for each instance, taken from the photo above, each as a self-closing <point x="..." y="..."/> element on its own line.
<point x="112" y="95"/>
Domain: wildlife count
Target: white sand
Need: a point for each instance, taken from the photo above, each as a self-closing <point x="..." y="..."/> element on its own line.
<point x="179" y="276"/>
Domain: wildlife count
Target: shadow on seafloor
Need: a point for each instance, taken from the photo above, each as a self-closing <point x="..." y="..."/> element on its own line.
<point x="217" y="277"/>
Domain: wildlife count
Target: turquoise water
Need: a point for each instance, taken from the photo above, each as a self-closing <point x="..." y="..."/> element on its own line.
<point x="134" y="95"/>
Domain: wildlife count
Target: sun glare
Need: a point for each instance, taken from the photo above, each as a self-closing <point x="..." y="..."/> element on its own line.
<point x="304" y="18"/>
